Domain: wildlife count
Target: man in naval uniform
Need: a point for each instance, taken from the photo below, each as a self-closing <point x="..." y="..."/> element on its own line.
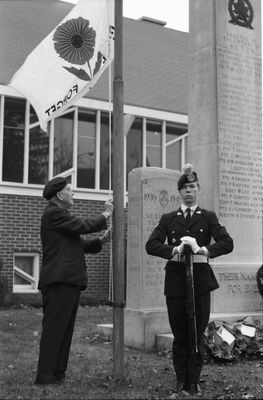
<point x="196" y="227"/>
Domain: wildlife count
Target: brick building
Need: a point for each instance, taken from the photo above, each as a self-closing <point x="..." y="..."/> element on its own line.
<point x="76" y="145"/>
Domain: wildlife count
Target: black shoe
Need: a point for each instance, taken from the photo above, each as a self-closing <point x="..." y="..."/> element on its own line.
<point x="180" y="386"/>
<point x="60" y="376"/>
<point x="45" y="379"/>
<point x="195" y="389"/>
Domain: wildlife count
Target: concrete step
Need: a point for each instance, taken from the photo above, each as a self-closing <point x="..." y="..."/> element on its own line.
<point x="105" y="330"/>
<point x="164" y="341"/>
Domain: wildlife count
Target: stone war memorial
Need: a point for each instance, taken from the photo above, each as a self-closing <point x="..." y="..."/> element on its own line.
<point x="225" y="139"/>
<point x="225" y="147"/>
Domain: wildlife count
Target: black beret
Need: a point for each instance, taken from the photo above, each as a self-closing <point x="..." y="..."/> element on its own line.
<point x="54" y="186"/>
<point x="189" y="176"/>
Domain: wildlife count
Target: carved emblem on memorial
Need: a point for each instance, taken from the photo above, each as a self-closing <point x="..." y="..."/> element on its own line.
<point x="163" y="198"/>
<point x="241" y="13"/>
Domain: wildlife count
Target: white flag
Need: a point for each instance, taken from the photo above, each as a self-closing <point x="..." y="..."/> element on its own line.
<point x="69" y="61"/>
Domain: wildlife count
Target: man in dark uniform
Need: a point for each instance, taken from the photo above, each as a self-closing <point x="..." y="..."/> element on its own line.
<point x="63" y="275"/>
<point x="195" y="227"/>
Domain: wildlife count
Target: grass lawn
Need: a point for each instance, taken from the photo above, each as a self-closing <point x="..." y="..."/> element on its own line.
<point x="89" y="375"/>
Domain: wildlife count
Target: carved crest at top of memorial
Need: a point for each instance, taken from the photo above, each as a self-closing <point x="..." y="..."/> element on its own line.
<point x="164" y="198"/>
<point x="241" y="12"/>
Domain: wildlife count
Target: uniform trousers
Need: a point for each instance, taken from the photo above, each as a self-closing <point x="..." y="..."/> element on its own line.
<point x="60" y="306"/>
<point x="177" y="314"/>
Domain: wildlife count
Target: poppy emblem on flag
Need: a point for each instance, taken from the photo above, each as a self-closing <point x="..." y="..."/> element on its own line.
<point x="75" y="42"/>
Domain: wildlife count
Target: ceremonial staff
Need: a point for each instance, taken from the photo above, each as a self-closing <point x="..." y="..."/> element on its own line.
<point x="191" y="315"/>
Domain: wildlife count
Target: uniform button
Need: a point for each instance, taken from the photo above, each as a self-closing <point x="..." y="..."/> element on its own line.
<point x="173" y="240"/>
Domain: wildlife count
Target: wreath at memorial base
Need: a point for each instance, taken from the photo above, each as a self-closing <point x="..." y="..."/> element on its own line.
<point x="260" y="280"/>
<point x="226" y="341"/>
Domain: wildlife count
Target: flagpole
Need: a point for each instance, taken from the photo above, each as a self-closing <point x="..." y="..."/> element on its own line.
<point x="118" y="198"/>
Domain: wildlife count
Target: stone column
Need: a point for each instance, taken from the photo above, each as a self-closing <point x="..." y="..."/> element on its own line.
<point x="152" y="192"/>
<point x="225" y="138"/>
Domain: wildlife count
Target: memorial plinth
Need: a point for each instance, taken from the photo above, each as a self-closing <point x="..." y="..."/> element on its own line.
<point x="225" y="138"/>
<point x="152" y="192"/>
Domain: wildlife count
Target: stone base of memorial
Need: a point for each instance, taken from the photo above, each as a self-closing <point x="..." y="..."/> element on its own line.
<point x="142" y="326"/>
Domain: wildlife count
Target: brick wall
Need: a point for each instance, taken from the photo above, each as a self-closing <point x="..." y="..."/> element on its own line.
<point x="19" y="232"/>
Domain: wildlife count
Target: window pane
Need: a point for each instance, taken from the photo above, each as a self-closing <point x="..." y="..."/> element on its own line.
<point x="173" y="151"/>
<point x="38" y="156"/>
<point x="63" y="143"/>
<point x="173" y="156"/>
<point x="14" y="114"/>
<point x="13" y="155"/>
<point x="86" y="149"/>
<point x="134" y="146"/>
<point x="25" y="264"/>
<point x="153" y="144"/>
<point x="13" y="146"/>
<point x="104" y="151"/>
<point x="32" y="117"/>
<point x="18" y="280"/>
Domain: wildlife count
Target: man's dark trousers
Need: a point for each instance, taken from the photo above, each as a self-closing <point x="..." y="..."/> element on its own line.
<point x="60" y="306"/>
<point x="176" y="307"/>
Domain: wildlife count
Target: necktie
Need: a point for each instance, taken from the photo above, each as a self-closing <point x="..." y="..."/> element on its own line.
<point x="188" y="216"/>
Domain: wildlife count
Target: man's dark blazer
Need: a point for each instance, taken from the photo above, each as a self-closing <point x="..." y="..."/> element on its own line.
<point x="63" y="248"/>
<point x="204" y="226"/>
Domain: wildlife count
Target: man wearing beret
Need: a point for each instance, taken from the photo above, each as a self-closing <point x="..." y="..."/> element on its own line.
<point x="63" y="275"/>
<point x="193" y="226"/>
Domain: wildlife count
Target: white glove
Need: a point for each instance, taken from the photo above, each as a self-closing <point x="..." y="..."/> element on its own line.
<point x="106" y="236"/>
<point x="191" y="242"/>
<point x="109" y="207"/>
<point x="179" y="250"/>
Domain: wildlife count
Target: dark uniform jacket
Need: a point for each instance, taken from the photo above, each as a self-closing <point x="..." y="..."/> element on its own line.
<point x="204" y="226"/>
<point x="63" y="248"/>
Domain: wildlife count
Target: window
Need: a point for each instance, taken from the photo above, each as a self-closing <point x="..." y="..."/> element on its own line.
<point x="63" y="143"/>
<point x="134" y="146"/>
<point x="14" y="138"/>
<point x="154" y="144"/>
<point x="38" y="156"/>
<point x="174" y="145"/>
<point x="104" y="151"/>
<point x="77" y="145"/>
<point x="86" y="149"/>
<point x="26" y="272"/>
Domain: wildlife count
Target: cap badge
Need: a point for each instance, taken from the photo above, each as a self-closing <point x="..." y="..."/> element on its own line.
<point x="190" y="177"/>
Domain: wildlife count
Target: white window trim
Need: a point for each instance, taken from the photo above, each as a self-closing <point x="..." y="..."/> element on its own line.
<point x="98" y="106"/>
<point x="2" y="103"/>
<point x="33" y="279"/>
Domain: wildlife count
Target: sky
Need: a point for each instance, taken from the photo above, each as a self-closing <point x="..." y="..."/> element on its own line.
<point x="173" y="12"/>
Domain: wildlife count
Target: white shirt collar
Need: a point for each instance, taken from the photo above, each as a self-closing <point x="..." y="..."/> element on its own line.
<point x="193" y="208"/>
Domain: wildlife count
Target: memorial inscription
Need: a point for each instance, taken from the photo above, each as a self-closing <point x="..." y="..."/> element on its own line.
<point x="239" y="125"/>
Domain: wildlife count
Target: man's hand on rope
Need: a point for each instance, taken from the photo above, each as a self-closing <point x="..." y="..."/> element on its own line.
<point x="106" y="236"/>
<point x="109" y="208"/>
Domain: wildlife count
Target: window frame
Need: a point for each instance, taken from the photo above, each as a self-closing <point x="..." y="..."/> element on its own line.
<point x="34" y="279"/>
<point x="98" y="107"/>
